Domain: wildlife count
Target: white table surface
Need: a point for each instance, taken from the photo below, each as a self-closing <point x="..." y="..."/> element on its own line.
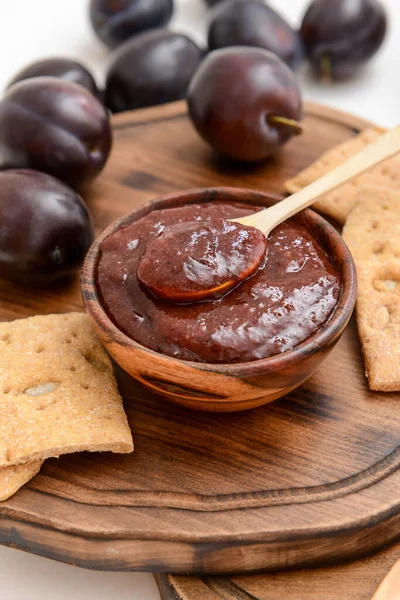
<point x="31" y="29"/>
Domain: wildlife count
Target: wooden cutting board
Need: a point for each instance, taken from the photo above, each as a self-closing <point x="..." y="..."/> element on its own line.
<point x="309" y="479"/>
<point x="357" y="580"/>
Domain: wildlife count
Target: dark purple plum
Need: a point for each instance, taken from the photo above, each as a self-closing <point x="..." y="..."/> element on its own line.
<point x="45" y="229"/>
<point x="245" y="102"/>
<point x="213" y="2"/>
<point x="340" y="36"/>
<point x="115" y="21"/>
<point x="54" y="126"/>
<point x="152" y="68"/>
<point x="253" y="23"/>
<point x="64" y="68"/>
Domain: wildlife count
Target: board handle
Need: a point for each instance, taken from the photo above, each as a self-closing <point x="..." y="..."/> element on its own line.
<point x="390" y="586"/>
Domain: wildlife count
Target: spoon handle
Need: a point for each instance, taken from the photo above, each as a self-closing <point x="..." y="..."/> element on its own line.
<point x="385" y="147"/>
<point x="390" y="586"/>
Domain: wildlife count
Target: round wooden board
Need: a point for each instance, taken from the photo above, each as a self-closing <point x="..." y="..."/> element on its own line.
<point x="358" y="580"/>
<point x="308" y="479"/>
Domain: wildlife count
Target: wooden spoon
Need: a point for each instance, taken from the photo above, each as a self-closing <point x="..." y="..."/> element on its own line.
<point x="373" y="154"/>
<point x="171" y="284"/>
<point x="390" y="586"/>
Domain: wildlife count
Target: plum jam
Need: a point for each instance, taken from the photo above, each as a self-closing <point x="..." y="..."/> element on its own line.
<point x="289" y="298"/>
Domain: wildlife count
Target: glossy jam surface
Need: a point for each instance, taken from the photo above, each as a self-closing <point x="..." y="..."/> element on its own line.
<point x="199" y="260"/>
<point x="282" y="305"/>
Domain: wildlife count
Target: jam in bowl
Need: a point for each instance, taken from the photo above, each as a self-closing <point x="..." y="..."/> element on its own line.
<point x="247" y="347"/>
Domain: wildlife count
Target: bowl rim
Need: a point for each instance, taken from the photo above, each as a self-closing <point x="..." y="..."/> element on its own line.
<point x="321" y="339"/>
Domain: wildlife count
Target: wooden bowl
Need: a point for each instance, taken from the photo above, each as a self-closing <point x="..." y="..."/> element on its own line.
<point x="223" y="387"/>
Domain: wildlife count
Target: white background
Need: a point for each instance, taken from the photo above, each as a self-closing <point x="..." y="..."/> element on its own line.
<point x="31" y="29"/>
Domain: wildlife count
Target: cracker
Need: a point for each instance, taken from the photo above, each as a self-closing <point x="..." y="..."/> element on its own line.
<point x="338" y="203"/>
<point x="58" y="393"/>
<point x="372" y="232"/>
<point x="378" y="320"/>
<point x="372" y="229"/>
<point x="15" y="476"/>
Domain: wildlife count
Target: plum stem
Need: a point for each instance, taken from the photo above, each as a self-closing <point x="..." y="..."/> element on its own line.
<point x="295" y="125"/>
<point x="326" y="68"/>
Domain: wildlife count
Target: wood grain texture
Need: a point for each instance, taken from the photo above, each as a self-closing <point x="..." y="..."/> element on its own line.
<point x="223" y="387"/>
<point x="390" y="586"/>
<point x="357" y="580"/>
<point x="309" y="479"/>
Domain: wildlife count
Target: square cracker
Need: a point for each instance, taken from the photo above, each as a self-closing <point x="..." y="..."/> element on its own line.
<point x="338" y="203"/>
<point x="372" y="229"/>
<point x="58" y="393"/>
<point x="372" y="232"/>
<point x="378" y="321"/>
<point x="15" y="476"/>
